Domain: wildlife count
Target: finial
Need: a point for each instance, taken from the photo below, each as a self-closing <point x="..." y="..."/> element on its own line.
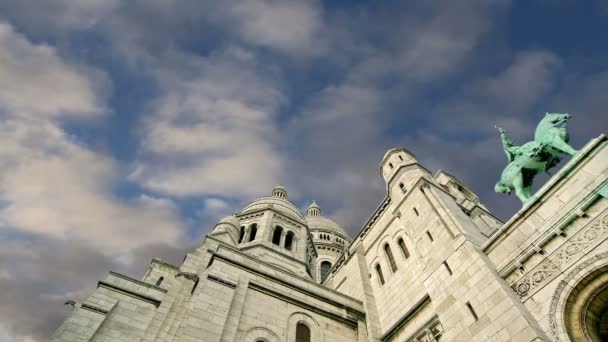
<point x="313" y="209"/>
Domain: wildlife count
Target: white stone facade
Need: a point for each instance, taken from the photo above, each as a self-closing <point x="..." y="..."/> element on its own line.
<point x="431" y="264"/>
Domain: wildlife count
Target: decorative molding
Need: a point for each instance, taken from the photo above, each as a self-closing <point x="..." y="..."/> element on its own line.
<point x="129" y="293"/>
<point x="94" y="309"/>
<point x="553" y="324"/>
<point x="314" y="308"/>
<point x="138" y="282"/>
<point x="561" y="259"/>
<point x="221" y="281"/>
<point x="288" y="220"/>
<point x="162" y="262"/>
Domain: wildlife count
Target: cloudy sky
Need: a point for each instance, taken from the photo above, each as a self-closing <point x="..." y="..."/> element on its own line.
<point x="128" y="128"/>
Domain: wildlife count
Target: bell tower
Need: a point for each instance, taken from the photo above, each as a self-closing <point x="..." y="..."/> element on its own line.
<point x="401" y="171"/>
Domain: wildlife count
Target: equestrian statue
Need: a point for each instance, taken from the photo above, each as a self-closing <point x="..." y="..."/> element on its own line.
<point x="528" y="160"/>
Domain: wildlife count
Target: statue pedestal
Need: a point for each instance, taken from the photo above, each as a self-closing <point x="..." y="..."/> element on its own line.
<point x="556" y="239"/>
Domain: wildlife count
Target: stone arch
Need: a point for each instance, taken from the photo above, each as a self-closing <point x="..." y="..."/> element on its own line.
<point x="398" y="233"/>
<point x="381" y="242"/>
<point x="578" y="299"/>
<point x="259" y="333"/>
<point x="300" y="317"/>
<point x="320" y="260"/>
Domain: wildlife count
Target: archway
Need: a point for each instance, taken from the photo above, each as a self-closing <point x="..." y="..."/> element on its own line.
<point x="586" y="309"/>
<point x="579" y="308"/>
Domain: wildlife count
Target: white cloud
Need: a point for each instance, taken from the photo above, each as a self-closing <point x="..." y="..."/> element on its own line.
<point x="530" y="76"/>
<point x="35" y="81"/>
<point x="50" y="184"/>
<point x="290" y="26"/>
<point x="54" y="187"/>
<point x="213" y="130"/>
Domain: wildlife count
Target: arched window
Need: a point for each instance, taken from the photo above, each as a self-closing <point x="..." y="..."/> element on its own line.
<point x="276" y="236"/>
<point x="389" y="256"/>
<point x="289" y="241"/>
<point x="159" y="281"/>
<point x="302" y="333"/>
<point x="325" y="267"/>
<point x="379" y="274"/>
<point x="242" y="234"/>
<point x="400" y="158"/>
<point x="401" y="243"/>
<point x="402" y="187"/>
<point x="253" y="230"/>
<point x="391" y="165"/>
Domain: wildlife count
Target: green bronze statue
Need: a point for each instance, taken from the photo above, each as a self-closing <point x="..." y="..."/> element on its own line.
<point x="528" y="160"/>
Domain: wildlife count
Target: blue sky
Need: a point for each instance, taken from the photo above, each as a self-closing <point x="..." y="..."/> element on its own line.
<point x="128" y="128"/>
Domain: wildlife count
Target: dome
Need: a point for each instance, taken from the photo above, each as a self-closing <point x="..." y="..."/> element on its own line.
<point x="277" y="201"/>
<point x="231" y="220"/>
<point x="320" y="222"/>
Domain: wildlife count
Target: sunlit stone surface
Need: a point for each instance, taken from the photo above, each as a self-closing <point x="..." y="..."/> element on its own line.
<point x="432" y="263"/>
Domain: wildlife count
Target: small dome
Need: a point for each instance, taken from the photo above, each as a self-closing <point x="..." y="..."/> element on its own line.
<point x="279" y="191"/>
<point x="323" y="223"/>
<point x="231" y="220"/>
<point x="313" y="209"/>
<point x="278" y="201"/>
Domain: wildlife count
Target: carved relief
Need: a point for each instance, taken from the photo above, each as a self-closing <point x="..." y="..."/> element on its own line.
<point x="561" y="259"/>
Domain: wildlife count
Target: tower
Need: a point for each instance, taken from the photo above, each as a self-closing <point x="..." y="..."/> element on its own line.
<point x="273" y="229"/>
<point x="329" y="238"/>
<point x="401" y="171"/>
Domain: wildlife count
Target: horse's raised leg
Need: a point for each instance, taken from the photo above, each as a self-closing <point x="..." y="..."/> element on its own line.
<point x="563" y="146"/>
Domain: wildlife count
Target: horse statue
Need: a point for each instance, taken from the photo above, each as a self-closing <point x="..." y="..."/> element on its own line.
<point x="528" y="160"/>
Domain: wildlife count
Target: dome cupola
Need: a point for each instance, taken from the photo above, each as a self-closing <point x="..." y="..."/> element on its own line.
<point x="313" y="210"/>
<point x="279" y="191"/>
<point x="227" y="226"/>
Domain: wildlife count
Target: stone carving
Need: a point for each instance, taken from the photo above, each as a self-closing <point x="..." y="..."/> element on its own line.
<point x="188" y="275"/>
<point x="574" y="249"/>
<point x="71" y="302"/>
<point x="553" y="325"/>
<point x="541" y="154"/>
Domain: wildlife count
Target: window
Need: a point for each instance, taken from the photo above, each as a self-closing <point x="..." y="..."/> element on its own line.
<point x="401" y="243"/>
<point x="473" y="313"/>
<point x="242" y="234"/>
<point x="429" y="235"/>
<point x="447" y="267"/>
<point x="276" y="236"/>
<point x="400" y="158"/>
<point x="254" y="230"/>
<point x="379" y="274"/>
<point x="389" y="256"/>
<point x="302" y="333"/>
<point x="391" y="165"/>
<point x="416" y="211"/>
<point x="402" y="187"/>
<point x="325" y="267"/>
<point x="159" y="281"/>
<point x="288" y="241"/>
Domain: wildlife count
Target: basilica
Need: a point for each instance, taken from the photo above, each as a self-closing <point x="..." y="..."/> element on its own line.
<point x="431" y="263"/>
